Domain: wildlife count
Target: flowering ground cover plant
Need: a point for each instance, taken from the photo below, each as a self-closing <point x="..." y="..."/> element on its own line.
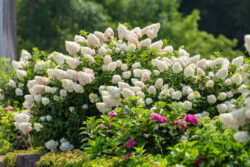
<point x="98" y="76"/>
<point x="211" y="144"/>
<point x="121" y="130"/>
<point x="9" y="136"/>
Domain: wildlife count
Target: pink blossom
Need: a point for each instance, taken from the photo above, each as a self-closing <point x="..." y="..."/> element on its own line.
<point x="110" y="124"/>
<point x="101" y="125"/>
<point x="108" y="34"/>
<point x="191" y="119"/>
<point x="182" y="127"/>
<point x="158" y="117"/>
<point x="112" y="114"/>
<point x="130" y="143"/>
<point x="199" y="160"/>
<point x="9" y="108"/>
<point x="18" y="137"/>
<point x="127" y="156"/>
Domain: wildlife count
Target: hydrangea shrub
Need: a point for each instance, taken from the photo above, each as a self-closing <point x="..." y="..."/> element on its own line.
<point x="99" y="71"/>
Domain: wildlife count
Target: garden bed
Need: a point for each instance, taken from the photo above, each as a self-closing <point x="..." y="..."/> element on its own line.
<point x="125" y="101"/>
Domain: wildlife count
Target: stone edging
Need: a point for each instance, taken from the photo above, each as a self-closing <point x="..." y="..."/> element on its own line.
<point x="28" y="160"/>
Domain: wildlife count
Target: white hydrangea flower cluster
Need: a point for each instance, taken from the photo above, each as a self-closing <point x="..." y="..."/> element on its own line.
<point x="239" y="119"/>
<point x="65" y="145"/>
<point x="247" y="43"/>
<point x="22" y="122"/>
<point x="51" y="145"/>
<point x="1" y="95"/>
<point x="191" y="67"/>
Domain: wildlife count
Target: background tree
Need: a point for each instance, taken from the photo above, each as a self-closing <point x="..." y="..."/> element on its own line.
<point x="46" y="24"/>
<point x="227" y="17"/>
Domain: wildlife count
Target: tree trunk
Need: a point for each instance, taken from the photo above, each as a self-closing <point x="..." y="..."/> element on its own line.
<point x="8" y="29"/>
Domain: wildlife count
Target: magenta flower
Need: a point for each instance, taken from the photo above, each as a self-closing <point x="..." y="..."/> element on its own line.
<point x="191" y="119"/>
<point x="127" y="156"/>
<point x="110" y="124"/>
<point x="101" y="125"/>
<point x="131" y="143"/>
<point x="18" y="137"/>
<point x="112" y="114"/>
<point x="9" y="108"/>
<point x="199" y="160"/>
<point x="158" y="117"/>
<point x="182" y="127"/>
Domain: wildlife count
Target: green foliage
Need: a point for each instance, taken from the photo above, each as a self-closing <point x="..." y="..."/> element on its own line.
<point x="77" y="158"/>
<point x="5" y="146"/>
<point x="6" y="72"/>
<point x="73" y="158"/>
<point x="8" y="131"/>
<point x="135" y="161"/>
<point x="10" y="158"/>
<point x="212" y="141"/>
<point x="108" y="135"/>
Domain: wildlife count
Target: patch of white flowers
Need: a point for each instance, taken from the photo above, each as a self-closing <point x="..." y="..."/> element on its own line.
<point x="65" y="145"/>
<point x="22" y="122"/>
<point x="52" y="145"/>
<point x="239" y="119"/>
<point x="170" y="76"/>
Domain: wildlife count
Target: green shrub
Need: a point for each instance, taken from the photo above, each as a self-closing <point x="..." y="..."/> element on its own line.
<point x="8" y="131"/>
<point x="211" y="142"/>
<point x="73" y="158"/>
<point x="5" y="146"/>
<point x="111" y="133"/>
<point x="135" y="161"/>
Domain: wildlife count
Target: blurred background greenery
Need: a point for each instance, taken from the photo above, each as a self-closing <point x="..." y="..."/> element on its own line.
<point x="203" y="27"/>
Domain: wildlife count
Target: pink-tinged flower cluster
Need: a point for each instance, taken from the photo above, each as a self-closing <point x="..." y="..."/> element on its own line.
<point x="112" y="114"/>
<point x="110" y="124"/>
<point x="158" y="117"/>
<point x="127" y="156"/>
<point x="18" y="137"/>
<point x="191" y="119"/>
<point x="9" y="108"/>
<point x="131" y="143"/>
<point x="199" y="160"/>
<point x="107" y="128"/>
<point x="182" y="127"/>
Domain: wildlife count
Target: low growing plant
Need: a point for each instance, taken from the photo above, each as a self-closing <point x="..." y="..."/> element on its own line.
<point x="211" y="145"/>
<point x="119" y="131"/>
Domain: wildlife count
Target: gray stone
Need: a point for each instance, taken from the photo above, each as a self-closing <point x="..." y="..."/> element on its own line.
<point x="28" y="160"/>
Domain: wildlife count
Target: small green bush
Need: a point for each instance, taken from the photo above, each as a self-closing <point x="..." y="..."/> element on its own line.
<point x="212" y="143"/>
<point x="110" y="134"/>
<point x="73" y="158"/>
<point x="5" y="146"/>
<point x="135" y="161"/>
